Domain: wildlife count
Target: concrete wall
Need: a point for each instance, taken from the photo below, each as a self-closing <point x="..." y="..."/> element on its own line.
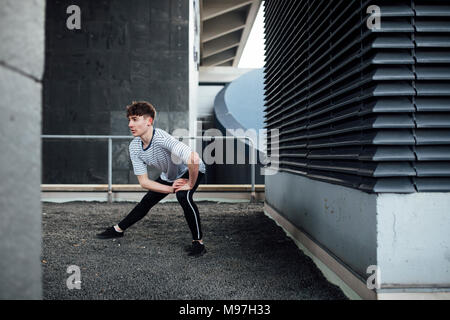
<point x="124" y="51"/>
<point x="342" y="220"/>
<point x="405" y="235"/>
<point x="21" y="69"/>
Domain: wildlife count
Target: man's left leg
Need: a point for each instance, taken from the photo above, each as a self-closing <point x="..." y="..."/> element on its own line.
<point x="192" y="215"/>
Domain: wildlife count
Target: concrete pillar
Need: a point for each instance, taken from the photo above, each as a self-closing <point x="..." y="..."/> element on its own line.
<point x="21" y="69"/>
<point x="124" y="51"/>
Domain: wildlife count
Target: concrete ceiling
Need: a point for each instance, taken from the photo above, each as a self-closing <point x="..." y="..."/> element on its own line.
<point x="225" y="27"/>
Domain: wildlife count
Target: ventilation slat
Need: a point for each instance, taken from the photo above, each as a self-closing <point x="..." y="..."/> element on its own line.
<point x="364" y="108"/>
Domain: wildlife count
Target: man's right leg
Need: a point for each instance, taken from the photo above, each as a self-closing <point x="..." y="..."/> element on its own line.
<point x="138" y="212"/>
<point x="141" y="209"/>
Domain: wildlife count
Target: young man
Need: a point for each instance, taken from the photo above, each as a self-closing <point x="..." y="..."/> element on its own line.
<point x="155" y="147"/>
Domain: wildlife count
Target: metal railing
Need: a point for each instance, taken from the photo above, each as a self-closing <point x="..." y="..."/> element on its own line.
<point x="110" y="138"/>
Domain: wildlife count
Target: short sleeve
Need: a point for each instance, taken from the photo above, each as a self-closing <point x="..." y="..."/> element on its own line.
<point x="177" y="148"/>
<point x="139" y="166"/>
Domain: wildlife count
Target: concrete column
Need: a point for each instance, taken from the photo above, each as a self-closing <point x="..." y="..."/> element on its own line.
<point x="22" y="33"/>
<point x="194" y="61"/>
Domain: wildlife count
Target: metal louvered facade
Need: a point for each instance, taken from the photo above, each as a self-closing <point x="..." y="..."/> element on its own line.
<point x="363" y="107"/>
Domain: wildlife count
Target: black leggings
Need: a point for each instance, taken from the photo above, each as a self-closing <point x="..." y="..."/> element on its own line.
<point x="184" y="197"/>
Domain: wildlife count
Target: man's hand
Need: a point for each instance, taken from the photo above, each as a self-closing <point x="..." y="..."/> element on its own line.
<point x="185" y="187"/>
<point x="181" y="184"/>
<point x="148" y="184"/>
<point x="170" y="190"/>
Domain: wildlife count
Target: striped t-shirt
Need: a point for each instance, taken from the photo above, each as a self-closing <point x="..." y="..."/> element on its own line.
<point x="164" y="153"/>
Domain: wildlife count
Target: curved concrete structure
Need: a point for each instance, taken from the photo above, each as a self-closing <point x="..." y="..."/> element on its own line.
<point x="239" y="113"/>
<point x="244" y="99"/>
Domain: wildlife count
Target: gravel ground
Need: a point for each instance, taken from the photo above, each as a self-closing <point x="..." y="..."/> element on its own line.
<point x="249" y="256"/>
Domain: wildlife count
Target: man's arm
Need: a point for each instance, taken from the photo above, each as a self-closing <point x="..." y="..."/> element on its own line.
<point x="148" y="184"/>
<point x="193" y="165"/>
<point x="184" y="153"/>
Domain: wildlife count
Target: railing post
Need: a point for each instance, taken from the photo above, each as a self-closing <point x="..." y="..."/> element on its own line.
<point x="253" y="165"/>
<point x="110" y="197"/>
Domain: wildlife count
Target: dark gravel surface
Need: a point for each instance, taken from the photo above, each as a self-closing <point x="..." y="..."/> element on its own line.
<point x="249" y="256"/>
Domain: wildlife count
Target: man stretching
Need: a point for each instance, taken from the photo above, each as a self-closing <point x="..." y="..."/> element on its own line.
<point x="155" y="147"/>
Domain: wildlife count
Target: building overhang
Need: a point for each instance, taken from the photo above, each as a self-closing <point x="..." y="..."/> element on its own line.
<point x="224" y="30"/>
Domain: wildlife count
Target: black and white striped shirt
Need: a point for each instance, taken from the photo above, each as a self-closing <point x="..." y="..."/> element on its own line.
<point x="164" y="153"/>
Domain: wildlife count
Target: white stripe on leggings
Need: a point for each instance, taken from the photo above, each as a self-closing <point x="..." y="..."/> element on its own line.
<point x="195" y="215"/>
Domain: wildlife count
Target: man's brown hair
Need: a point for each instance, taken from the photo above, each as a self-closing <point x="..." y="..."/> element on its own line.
<point x="141" y="108"/>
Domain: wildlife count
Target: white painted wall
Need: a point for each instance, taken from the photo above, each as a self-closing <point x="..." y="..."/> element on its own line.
<point x="414" y="238"/>
<point x="205" y="100"/>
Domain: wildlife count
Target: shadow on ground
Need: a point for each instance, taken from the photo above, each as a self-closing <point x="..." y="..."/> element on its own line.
<point x="249" y="256"/>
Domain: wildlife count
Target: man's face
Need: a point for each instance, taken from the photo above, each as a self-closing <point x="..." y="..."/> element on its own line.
<point x="139" y="125"/>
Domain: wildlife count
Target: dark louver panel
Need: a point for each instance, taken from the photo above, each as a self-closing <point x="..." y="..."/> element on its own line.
<point x="362" y="107"/>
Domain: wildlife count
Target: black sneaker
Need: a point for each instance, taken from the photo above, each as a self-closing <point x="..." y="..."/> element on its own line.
<point x="188" y="248"/>
<point x="109" y="233"/>
<point x="196" y="249"/>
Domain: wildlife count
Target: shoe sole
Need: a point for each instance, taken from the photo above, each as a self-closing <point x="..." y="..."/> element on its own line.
<point x="188" y="248"/>
<point x="107" y="237"/>
<point x="196" y="255"/>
